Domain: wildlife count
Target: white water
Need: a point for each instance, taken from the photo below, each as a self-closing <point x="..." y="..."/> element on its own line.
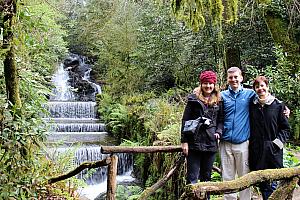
<point x="72" y="121"/>
<point x="92" y="191"/>
<point x="96" y="87"/>
<point x="62" y="90"/>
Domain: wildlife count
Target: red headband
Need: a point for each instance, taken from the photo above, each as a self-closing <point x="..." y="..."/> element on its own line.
<point x="208" y="76"/>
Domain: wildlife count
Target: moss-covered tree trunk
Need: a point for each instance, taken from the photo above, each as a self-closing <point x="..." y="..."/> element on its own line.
<point x="9" y="8"/>
<point x="283" y="35"/>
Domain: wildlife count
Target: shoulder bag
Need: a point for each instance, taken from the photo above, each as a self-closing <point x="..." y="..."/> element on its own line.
<point x="192" y="126"/>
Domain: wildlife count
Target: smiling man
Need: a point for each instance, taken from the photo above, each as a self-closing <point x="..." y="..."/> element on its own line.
<point x="234" y="142"/>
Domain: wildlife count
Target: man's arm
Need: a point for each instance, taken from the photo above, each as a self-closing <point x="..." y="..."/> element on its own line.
<point x="283" y="129"/>
<point x="286" y="112"/>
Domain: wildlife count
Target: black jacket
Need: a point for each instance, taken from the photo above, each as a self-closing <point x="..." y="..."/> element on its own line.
<point x="267" y="123"/>
<point x="204" y="139"/>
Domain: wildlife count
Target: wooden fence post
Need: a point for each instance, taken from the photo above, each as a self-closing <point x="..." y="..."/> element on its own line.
<point x="112" y="178"/>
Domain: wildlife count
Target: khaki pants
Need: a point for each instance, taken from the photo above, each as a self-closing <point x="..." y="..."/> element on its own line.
<point x="234" y="162"/>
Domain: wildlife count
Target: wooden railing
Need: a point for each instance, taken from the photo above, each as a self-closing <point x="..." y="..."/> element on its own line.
<point x="289" y="176"/>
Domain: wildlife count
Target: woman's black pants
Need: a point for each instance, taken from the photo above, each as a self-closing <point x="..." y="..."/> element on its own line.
<point x="199" y="166"/>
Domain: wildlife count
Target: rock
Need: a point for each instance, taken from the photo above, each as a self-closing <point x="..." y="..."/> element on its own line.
<point x="79" y="78"/>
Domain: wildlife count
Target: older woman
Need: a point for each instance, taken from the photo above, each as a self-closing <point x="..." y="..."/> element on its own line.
<point x="269" y="130"/>
<point x="201" y="147"/>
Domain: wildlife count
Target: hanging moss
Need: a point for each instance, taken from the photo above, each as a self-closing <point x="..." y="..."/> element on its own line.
<point x="194" y="12"/>
<point x="232" y="11"/>
<point x="281" y="35"/>
<point x="216" y="11"/>
<point x="191" y="12"/>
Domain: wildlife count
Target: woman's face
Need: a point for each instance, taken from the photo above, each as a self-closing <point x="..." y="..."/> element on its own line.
<point x="261" y="89"/>
<point x="207" y="88"/>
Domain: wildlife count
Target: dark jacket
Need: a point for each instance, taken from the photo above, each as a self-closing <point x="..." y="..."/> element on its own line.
<point x="267" y="123"/>
<point x="204" y="139"/>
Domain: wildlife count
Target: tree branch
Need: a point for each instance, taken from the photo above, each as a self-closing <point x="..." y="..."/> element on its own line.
<point x="199" y="190"/>
<point x="150" y="190"/>
<point x="139" y="149"/>
<point x="285" y="189"/>
<point x="81" y="167"/>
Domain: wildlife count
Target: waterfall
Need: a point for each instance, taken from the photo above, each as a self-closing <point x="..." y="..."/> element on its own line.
<point x="62" y="89"/>
<point x="96" y="87"/>
<point x="72" y="121"/>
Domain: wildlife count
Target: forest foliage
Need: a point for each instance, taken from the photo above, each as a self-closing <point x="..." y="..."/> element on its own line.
<point x="38" y="43"/>
<point x="154" y="48"/>
<point x="147" y="56"/>
<point x="167" y="56"/>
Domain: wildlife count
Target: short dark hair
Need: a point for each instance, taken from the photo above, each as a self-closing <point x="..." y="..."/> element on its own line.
<point x="259" y="79"/>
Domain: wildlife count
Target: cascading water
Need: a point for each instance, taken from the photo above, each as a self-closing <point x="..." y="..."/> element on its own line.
<point x="73" y="120"/>
<point x="62" y="89"/>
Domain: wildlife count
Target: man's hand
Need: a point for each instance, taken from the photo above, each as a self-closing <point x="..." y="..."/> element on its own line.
<point x="185" y="148"/>
<point x="287" y="112"/>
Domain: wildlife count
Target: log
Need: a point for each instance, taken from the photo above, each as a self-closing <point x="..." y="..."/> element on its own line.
<point x="139" y="149"/>
<point x="112" y="178"/>
<point x="285" y="189"/>
<point x="150" y="190"/>
<point x="81" y="167"/>
<point x="199" y="190"/>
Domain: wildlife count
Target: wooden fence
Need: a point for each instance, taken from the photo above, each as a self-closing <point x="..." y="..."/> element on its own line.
<point x="289" y="176"/>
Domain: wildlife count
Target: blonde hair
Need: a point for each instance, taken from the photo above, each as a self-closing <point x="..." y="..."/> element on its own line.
<point x="234" y="69"/>
<point x="214" y="98"/>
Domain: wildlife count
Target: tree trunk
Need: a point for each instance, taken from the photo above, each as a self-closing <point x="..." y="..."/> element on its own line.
<point x="282" y="35"/>
<point x="233" y="57"/>
<point x="285" y="189"/>
<point x="9" y="8"/>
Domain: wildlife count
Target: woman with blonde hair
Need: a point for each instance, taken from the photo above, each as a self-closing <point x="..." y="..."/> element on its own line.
<point x="201" y="147"/>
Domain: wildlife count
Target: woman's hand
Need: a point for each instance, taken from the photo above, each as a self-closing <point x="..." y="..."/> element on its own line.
<point x="185" y="148"/>
<point x="217" y="135"/>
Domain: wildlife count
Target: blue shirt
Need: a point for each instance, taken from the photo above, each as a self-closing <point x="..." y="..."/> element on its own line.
<point x="236" y="114"/>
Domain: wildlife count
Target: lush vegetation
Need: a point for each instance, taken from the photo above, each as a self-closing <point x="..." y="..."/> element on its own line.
<point x="38" y="45"/>
<point x="147" y="56"/>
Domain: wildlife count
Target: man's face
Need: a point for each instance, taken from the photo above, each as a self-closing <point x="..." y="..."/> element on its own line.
<point x="234" y="80"/>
